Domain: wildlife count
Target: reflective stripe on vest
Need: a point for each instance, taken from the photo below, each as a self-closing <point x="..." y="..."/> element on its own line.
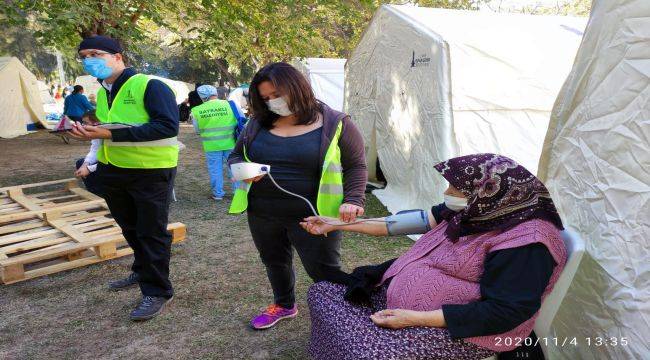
<point x="330" y="189"/>
<point x="155" y="143"/>
<point x="128" y="108"/>
<point x="217" y="123"/>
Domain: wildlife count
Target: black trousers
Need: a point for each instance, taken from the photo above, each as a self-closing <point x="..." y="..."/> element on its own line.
<point x="274" y="238"/>
<point x="92" y="182"/>
<point x="139" y="201"/>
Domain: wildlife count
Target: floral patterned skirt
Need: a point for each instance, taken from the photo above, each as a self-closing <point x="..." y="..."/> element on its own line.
<point x="342" y="330"/>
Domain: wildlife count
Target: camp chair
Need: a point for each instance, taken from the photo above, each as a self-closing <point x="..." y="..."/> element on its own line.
<point x="575" y="248"/>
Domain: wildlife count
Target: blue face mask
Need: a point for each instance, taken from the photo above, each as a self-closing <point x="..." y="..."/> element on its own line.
<point x="97" y="68"/>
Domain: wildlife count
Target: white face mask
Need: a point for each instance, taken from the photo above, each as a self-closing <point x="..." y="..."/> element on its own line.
<point x="279" y="106"/>
<point x="455" y="203"/>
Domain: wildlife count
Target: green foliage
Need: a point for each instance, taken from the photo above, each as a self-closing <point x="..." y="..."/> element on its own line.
<point x="202" y="40"/>
<point x="562" y="7"/>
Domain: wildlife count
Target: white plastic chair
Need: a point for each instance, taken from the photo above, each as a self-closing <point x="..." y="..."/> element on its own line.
<point x="575" y="248"/>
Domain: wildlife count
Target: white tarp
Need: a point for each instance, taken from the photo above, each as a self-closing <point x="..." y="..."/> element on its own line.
<point x="20" y="99"/>
<point x="91" y="86"/>
<point x="238" y="95"/>
<point x="428" y="84"/>
<point x="596" y="163"/>
<point x="327" y="78"/>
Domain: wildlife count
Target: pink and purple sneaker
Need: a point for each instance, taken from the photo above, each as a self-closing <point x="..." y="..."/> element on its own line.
<point x="272" y="315"/>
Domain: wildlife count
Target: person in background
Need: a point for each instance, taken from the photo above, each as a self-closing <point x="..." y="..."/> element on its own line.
<point x="193" y="97"/>
<point x="57" y="93"/>
<point x="86" y="167"/>
<point x="92" y="99"/>
<point x="489" y="256"/>
<point x="217" y="121"/>
<point x="313" y="151"/>
<point x="67" y="90"/>
<point x="137" y="164"/>
<point x="184" y="110"/>
<point x="76" y="104"/>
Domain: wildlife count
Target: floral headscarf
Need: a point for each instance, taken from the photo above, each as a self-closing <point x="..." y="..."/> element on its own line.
<point x="500" y="192"/>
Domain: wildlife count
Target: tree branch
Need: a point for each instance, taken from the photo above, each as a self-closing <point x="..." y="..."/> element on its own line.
<point x="136" y="15"/>
<point x="223" y="69"/>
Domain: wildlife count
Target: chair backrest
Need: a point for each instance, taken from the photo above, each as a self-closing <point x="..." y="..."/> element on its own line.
<point x="575" y="248"/>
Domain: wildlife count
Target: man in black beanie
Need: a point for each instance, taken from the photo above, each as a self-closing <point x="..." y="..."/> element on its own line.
<point x="137" y="165"/>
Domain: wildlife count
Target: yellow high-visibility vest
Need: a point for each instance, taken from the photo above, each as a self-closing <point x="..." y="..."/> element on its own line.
<point x="128" y="108"/>
<point x="330" y="188"/>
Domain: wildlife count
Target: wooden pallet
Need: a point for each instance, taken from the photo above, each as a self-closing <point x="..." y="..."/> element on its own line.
<point x="15" y="200"/>
<point x="45" y="232"/>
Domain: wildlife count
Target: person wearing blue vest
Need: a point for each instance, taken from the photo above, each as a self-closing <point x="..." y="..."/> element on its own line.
<point x="217" y="121"/>
<point x="137" y="165"/>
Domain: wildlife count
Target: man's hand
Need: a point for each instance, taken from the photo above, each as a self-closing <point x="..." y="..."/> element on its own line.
<point x="396" y="318"/>
<point x="83" y="132"/>
<point x="82" y="172"/>
<point x="316" y="225"/>
<point x="349" y="212"/>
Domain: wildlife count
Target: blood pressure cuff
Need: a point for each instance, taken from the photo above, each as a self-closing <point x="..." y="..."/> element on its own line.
<point x="408" y="222"/>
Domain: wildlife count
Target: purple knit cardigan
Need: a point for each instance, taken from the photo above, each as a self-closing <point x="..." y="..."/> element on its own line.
<point x="436" y="271"/>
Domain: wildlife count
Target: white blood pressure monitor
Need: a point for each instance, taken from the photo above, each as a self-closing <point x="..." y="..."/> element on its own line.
<point x="248" y="170"/>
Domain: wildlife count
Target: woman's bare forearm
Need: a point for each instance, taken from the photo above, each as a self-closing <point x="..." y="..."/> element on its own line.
<point x="433" y="318"/>
<point x="374" y="228"/>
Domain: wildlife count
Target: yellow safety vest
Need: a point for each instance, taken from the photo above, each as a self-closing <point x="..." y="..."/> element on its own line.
<point x="217" y="124"/>
<point x="330" y="188"/>
<point x="128" y="108"/>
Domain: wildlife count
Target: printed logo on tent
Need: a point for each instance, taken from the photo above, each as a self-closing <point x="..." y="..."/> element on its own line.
<point x="421" y="60"/>
<point x="129" y="99"/>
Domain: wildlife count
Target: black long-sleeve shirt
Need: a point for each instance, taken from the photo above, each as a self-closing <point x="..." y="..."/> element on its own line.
<point x="160" y="104"/>
<point x="511" y="290"/>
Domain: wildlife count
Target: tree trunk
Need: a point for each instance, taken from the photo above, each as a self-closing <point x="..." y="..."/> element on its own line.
<point x="223" y="69"/>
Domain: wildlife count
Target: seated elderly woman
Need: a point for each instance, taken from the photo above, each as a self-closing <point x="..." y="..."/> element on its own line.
<point x="470" y="287"/>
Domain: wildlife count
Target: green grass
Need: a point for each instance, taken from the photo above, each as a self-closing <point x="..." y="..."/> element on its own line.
<point x="218" y="277"/>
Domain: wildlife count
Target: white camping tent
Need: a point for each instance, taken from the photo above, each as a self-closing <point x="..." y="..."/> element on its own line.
<point x="180" y="88"/>
<point x="327" y="78"/>
<point x="44" y="90"/>
<point x="596" y="164"/>
<point x="20" y="99"/>
<point x="50" y="106"/>
<point x="91" y="86"/>
<point x="89" y="83"/>
<point x="428" y="84"/>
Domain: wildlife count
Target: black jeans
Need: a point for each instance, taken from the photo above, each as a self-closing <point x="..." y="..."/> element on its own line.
<point x="274" y="238"/>
<point x="139" y="201"/>
<point x="92" y="182"/>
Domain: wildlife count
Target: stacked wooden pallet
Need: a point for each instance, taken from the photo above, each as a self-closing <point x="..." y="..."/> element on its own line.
<point x="55" y="226"/>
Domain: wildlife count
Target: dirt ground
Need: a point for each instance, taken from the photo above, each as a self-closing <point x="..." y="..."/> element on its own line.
<point x="218" y="277"/>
